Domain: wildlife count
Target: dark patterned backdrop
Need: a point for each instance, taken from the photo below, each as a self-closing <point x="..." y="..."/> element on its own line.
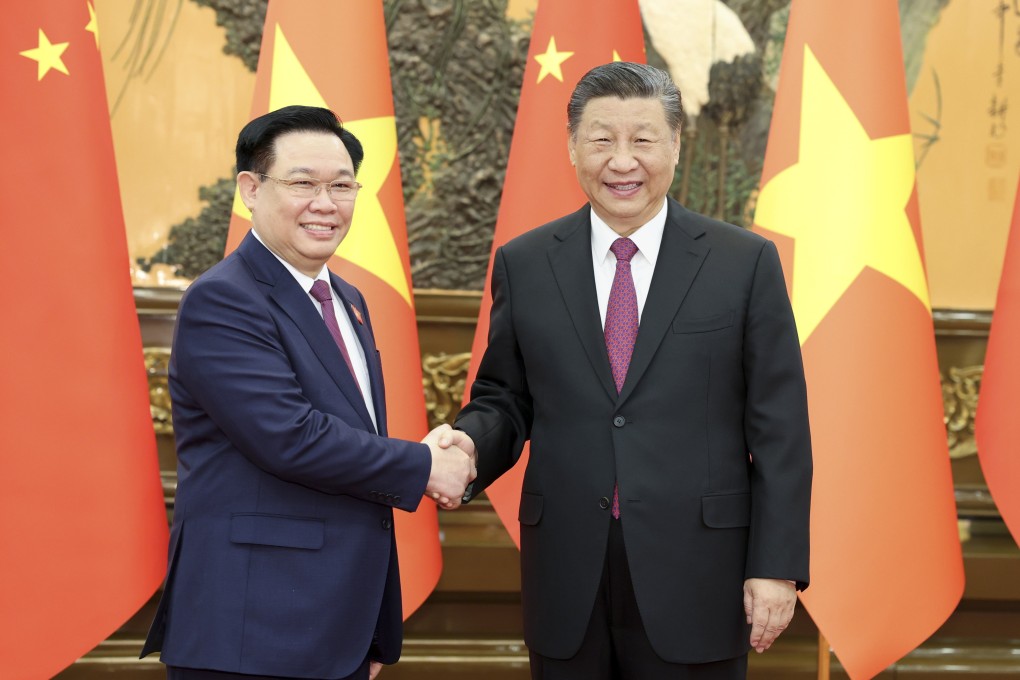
<point x="457" y="67"/>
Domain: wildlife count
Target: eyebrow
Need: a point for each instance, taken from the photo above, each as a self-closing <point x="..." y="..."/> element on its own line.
<point x="602" y="124"/>
<point x="343" y="172"/>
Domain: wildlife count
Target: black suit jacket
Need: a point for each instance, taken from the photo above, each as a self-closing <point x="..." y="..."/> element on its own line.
<point x="708" y="438"/>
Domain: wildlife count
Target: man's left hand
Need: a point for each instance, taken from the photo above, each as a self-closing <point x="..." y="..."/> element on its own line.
<point x="768" y="604"/>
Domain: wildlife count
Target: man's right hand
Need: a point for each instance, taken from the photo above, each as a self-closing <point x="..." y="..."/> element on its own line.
<point x="453" y="466"/>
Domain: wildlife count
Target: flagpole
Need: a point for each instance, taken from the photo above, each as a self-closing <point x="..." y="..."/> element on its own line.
<point x="823" y="657"/>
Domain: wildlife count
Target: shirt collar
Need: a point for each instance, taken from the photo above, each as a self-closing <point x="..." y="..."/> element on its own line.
<point x="647" y="237"/>
<point x="303" y="279"/>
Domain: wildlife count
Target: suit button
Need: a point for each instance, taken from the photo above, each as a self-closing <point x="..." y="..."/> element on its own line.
<point x="604" y="503"/>
<point x="619" y="421"/>
<point x="387" y="523"/>
<point x="396" y="500"/>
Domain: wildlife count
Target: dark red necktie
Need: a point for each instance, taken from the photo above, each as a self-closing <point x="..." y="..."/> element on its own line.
<point x="621" y="323"/>
<point x="321" y="292"/>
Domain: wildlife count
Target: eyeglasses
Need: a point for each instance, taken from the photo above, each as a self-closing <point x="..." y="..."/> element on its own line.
<point x="338" y="190"/>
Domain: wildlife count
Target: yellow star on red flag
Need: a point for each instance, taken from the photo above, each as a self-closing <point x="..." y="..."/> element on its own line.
<point x="371" y="244"/>
<point x="839" y="190"/>
<point x="551" y="61"/>
<point x="95" y="481"/>
<point x="93" y="26"/>
<point x="840" y="166"/>
<point x="48" y="55"/>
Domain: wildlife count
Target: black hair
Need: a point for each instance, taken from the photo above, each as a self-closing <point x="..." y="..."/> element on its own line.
<point x="626" y="80"/>
<point x="256" y="143"/>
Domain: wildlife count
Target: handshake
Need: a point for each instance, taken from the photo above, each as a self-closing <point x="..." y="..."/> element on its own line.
<point x="453" y="466"/>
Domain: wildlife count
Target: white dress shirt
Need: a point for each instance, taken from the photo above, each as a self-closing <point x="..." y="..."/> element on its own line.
<point x="647" y="238"/>
<point x="354" y="348"/>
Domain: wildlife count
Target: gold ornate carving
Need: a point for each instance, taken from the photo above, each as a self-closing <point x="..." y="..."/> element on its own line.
<point x="443" y="378"/>
<point x="157" y="360"/>
<point x="959" y="403"/>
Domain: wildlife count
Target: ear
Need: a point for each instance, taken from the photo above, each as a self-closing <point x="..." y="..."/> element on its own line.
<point x="676" y="147"/>
<point x="570" y="150"/>
<point x="248" y="186"/>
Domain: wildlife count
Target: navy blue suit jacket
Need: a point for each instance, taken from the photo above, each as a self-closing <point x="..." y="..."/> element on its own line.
<point x="282" y="553"/>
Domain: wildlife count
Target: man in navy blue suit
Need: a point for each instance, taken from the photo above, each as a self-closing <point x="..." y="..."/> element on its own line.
<point x="282" y="554"/>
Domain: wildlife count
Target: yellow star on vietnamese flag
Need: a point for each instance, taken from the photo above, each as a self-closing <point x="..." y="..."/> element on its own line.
<point x="843" y="202"/>
<point x="551" y="61"/>
<point x="93" y="26"/>
<point x="371" y="244"/>
<point x="48" y="55"/>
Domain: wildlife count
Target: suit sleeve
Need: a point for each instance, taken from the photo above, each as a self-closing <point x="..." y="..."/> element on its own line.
<point x="236" y="382"/>
<point x="498" y="418"/>
<point x="776" y="430"/>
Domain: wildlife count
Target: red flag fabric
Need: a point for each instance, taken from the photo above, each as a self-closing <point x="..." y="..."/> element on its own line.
<point x="838" y="195"/>
<point x="569" y="38"/>
<point x="304" y="62"/>
<point x="997" y="427"/>
<point x="83" y="524"/>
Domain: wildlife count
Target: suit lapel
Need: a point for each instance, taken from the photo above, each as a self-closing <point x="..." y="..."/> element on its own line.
<point x="294" y="302"/>
<point x="680" y="258"/>
<point x="572" y="267"/>
<point x="362" y="328"/>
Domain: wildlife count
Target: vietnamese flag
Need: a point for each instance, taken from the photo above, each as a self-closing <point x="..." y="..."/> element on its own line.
<point x="998" y="428"/>
<point x="83" y="525"/>
<point x="568" y="39"/>
<point x="304" y="60"/>
<point x="838" y="195"/>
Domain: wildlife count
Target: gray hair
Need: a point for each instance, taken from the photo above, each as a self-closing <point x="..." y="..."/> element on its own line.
<point x="626" y="80"/>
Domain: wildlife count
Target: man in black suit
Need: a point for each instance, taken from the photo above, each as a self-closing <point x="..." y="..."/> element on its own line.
<point x="650" y="355"/>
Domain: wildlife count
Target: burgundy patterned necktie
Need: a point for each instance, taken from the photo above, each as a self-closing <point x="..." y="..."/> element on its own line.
<point x="621" y="323"/>
<point x="320" y="291"/>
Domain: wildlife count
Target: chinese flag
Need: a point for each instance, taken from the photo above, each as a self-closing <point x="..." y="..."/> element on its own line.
<point x="83" y="526"/>
<point x="838" y="195"/>
<point x="997" y="427"/>
<point x="569" y="38"/>
<point x="304" y="61"/>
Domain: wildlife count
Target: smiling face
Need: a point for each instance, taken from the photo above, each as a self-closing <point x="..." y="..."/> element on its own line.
<point x="303" y="231"/>
<point x="625" y="153"/>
